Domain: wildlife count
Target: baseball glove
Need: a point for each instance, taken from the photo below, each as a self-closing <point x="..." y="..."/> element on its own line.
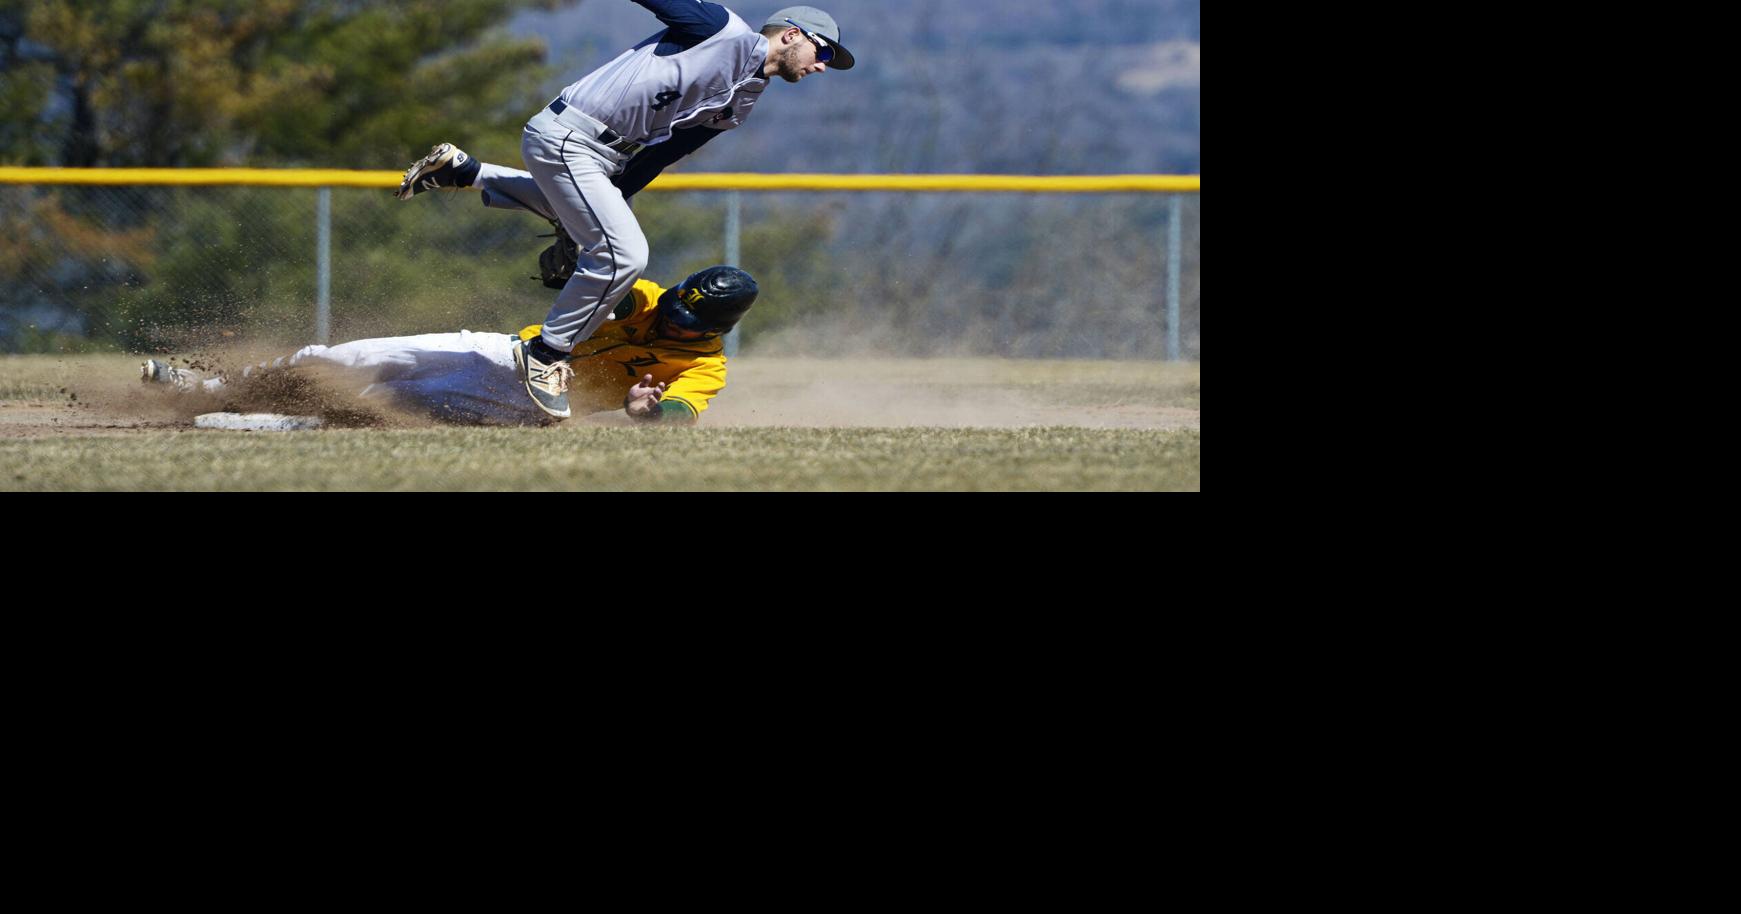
<point x="558" y="261"/>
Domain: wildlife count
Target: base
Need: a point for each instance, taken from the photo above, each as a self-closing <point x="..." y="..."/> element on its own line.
<point x="257" y="422"/>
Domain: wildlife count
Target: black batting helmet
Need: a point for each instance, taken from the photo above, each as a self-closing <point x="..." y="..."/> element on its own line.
<point x="712" y="300"/>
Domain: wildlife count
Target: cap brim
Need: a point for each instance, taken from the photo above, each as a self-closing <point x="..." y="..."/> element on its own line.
<point x="842" y="58"/>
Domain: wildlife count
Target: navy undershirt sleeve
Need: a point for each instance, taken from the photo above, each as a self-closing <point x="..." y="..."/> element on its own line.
<point x="647" y="164"/>
<point x="691" y="21"/>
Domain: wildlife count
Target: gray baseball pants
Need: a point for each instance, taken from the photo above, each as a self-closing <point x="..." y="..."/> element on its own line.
<point x="568" y="178"/>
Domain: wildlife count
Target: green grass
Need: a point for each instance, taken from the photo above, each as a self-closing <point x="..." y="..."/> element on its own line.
<point x="613" y="459"/>
<point x="38" y="377"/>
<point x="52" y="377"/>
<point x="20" y="389"/>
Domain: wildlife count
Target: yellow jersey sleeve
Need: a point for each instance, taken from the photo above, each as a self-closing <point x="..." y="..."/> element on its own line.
<point x="697" y="383"/>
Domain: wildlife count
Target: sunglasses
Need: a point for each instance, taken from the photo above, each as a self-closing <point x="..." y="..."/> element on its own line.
<point x="824" y="53"/>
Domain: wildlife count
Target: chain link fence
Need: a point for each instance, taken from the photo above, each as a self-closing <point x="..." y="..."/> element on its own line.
<point x="156" y="269"/>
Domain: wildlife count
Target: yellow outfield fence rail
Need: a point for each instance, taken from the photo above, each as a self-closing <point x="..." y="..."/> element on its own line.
<point x="331" y="177"/>
<point x="732" y="186"/>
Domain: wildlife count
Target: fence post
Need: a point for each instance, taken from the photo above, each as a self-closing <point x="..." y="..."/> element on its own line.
<point x="1174" y="324"/>
<point x="323" y="259"/>
<point x="733" y="231"/>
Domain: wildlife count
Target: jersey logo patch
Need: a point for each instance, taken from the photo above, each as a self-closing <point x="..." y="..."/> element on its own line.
<point x="634" y="366"/>
<point x="664" y="99"/>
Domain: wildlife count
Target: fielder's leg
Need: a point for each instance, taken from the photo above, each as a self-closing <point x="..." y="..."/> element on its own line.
<point x="447" y="167"/>
<point x="511" y="188"/>
<point x="574" y="172"/>
<point x="613" y="250"/>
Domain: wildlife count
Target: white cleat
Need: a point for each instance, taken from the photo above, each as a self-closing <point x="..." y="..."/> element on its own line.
<point x="151" y="371"/>
<point x="447" y="167"/>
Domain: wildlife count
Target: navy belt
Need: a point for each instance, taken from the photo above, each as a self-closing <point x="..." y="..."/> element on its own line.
<point x="606" y="135"/>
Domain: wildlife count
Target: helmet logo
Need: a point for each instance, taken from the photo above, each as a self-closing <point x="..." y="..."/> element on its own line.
<point x="692" y="296"/>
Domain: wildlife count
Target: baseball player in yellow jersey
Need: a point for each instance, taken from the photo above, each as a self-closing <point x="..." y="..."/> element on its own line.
<point x="660" y="359"/>
<point x="669" y="339"/>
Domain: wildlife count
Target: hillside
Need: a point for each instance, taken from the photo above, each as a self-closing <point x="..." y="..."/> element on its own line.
<point x="1084" y="87"/>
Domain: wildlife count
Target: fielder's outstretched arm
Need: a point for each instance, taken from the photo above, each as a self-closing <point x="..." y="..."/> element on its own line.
<point x="691" y="20"/>
<point x="649" y="162"/>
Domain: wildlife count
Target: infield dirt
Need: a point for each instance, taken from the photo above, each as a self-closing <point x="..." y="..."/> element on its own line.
<point x="102" y="394"/>
<point x="87" y="422"/>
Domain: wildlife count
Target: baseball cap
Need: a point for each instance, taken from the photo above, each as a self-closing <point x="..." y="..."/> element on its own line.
<point x="812" y="19"/>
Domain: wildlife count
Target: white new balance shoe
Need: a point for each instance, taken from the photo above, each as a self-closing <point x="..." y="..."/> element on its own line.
<point x="546" y="374"/>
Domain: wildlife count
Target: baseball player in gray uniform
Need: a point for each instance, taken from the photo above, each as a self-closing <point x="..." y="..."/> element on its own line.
<point x="608" y="135"/>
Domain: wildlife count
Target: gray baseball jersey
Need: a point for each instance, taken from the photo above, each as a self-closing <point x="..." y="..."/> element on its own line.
<point x="670" y="93"/>
<point x="705" y="69"/>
